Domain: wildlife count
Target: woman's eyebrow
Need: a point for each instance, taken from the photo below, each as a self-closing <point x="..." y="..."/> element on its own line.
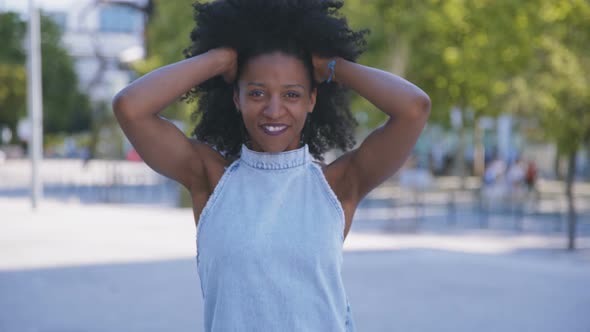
<point x="294" y="86"/>
<point x="288" y="86"/>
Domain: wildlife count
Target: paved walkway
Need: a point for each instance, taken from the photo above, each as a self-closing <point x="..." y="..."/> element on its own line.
<point x="70" y="267"/>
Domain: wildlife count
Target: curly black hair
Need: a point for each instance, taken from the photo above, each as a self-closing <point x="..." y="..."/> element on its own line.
<point x="298" y="28"/>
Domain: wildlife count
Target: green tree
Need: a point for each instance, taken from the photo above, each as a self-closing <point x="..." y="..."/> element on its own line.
<point x="65" y="108"/>
<point x="554" y="88"/>
<point x="165" y="43"/>
<point x="12" y="71"/>
<point x="529" y="58"/>
<point x="462" y="53"/>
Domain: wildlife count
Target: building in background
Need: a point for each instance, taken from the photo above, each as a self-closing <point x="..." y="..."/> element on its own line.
<point x="101" y="35"/>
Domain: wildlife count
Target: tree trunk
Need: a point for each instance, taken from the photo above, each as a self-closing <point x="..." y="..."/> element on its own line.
<point x="460" y="168"/>
<point x="556" y="165"/>
<point x="478" y="151"/>
<point x="571" y="208"/>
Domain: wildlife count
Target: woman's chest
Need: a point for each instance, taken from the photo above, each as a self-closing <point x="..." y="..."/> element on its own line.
<point x="289" y="217"/>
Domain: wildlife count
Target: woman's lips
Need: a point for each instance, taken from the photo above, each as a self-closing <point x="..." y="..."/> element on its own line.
<point x="274" y="130"/>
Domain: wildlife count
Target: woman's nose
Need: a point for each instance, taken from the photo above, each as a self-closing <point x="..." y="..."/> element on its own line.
<point x="273" y="108"/>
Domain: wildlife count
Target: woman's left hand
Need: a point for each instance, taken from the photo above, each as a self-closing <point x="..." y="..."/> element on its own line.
<point x="321" y="72"/>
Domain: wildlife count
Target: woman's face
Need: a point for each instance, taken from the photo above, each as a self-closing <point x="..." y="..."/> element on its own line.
<point x="274" y="96"/>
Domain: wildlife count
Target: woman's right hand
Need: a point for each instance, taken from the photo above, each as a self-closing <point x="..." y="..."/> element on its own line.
<point x="229" y="58"/>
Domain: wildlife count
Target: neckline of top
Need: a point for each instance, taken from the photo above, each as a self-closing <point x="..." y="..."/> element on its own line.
<point x="279" y="160"/>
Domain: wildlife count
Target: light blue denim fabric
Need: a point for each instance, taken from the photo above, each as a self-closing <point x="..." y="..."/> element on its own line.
<point x="269" y="247"/>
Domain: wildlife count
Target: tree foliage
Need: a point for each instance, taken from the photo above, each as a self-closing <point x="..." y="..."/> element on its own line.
<point x="528" y="58"/>
<point x="168" y="33"/>
<point x="559" y="77"/>
<point x="12" y="70"/>
<point x="461" y="52"/>
<point x="65" y="108"/>
<point x="522" y="57"/>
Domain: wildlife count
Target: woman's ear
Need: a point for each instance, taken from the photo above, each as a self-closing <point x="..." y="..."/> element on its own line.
<point x="236" y="98"/>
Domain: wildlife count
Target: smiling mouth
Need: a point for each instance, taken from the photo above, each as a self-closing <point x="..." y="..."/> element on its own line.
<point x="274" y="130"/>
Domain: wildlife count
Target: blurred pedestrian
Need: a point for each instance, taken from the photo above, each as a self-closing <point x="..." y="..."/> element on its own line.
<point x="531" y="175"/>
<point x="516" y="174"/>
<point x="494" y="172"/>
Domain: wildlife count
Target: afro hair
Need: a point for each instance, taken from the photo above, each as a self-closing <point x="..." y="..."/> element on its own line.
<point x="300" y="28"/>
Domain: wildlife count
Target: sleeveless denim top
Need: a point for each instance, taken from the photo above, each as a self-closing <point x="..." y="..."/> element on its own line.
<point x="269" y="247"/>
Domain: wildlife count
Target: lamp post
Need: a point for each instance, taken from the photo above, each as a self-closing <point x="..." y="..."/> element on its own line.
<point x="34" y="102"/>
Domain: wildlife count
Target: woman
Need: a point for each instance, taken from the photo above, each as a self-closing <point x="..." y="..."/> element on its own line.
<point x="271" y="78"/>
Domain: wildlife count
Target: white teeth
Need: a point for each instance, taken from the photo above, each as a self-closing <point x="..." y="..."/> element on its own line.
<point x="275" y="128"/>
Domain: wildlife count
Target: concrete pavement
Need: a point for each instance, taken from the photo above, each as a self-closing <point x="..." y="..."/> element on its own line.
<point x="72" y="267"/>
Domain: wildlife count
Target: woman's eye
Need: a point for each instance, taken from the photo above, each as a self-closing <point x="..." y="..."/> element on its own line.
<point x="255" y="93"/>
<point x="292" y="95"/>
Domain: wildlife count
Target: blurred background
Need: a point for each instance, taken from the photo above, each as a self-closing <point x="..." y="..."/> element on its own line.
<point x="486" y="227"/>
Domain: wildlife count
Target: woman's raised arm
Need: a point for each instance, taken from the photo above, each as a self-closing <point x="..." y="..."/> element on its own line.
<point x="161" y="145"/>
<point x="384" y="151"/>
